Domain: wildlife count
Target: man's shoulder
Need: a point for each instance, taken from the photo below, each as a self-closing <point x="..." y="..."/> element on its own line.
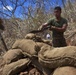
<point x="50" y="20"/>
<point x="64" y="19"/>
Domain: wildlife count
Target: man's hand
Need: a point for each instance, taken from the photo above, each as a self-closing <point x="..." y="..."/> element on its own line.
<point x="62" y="29"/>
<point x="42" y="26"/>
<point x="53" y="27"/>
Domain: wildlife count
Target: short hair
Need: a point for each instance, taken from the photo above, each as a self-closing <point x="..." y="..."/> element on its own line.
<point x="58" y="8"/>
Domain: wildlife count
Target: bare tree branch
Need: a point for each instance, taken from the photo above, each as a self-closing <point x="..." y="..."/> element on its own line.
<point x="5" y="14"/>
<point x="4" y="5"/>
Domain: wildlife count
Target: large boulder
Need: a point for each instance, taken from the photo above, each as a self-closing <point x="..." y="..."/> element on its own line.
<point x="12" y="55"/>
<point x="15" y="67"/>
<point x="29" y="47"/>
<point x="67" y="70"/>
<point x="56" y="57"/>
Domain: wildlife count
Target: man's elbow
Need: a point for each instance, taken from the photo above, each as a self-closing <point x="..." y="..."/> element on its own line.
<point x="63" y="30"/>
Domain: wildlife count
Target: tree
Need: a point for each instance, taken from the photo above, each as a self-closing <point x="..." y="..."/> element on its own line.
<point x="9" y="7"/>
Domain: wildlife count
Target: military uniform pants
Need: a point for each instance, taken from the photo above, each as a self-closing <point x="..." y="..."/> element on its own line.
<point x="59" y="42"/>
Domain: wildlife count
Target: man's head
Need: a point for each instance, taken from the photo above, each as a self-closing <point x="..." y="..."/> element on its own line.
<point x="57" y="11"/>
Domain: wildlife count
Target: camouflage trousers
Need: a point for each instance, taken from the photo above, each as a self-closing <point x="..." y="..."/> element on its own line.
<point x="59" y="42"/>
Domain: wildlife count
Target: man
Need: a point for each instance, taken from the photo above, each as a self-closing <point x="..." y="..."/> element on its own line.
<point x="58" y="26"/>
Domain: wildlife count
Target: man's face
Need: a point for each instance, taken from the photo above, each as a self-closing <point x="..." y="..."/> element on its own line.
<point x="57" y="13"/>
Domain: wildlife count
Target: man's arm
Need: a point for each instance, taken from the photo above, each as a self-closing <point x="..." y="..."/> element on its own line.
<point x="43" y="26"/>
<point x="62" y="29"/>
<point x="46" y="24"/>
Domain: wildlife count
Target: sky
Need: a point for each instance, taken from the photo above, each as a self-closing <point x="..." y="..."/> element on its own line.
<point x="26" y="4"/>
